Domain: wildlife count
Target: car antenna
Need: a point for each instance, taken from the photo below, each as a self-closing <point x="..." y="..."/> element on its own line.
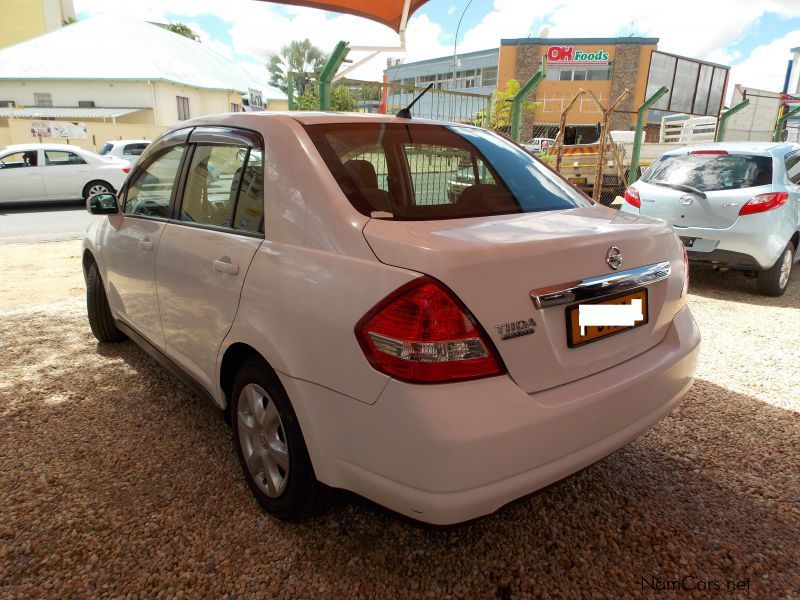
<point x="405" y="113"/>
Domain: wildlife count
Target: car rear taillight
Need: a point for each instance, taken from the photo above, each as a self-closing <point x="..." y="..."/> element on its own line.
<point x="126" y="169"/>
<point x="708" y="152"/>
<point x="632" y="197"/>
<point x="422" y="333"/>
<point x="764" y="202"/>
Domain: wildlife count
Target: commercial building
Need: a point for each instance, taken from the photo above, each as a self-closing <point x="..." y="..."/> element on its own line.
<point x="110" y="77"/>
<point x="473" y="73"/>
<point x="26" y="19"/>
<point x="607" y="66"/>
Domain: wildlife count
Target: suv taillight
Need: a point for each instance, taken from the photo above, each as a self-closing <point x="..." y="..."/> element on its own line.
<point x="632" y="197"/>
<point x="421" y="333"/>
<point x="764" y="202"/>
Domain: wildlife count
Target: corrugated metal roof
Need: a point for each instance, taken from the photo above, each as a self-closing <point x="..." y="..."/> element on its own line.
<point x="91" y="49"/>
<point x="56" y="112"/>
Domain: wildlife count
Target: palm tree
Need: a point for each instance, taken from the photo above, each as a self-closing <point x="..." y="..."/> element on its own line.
<point x="300" y="58"/>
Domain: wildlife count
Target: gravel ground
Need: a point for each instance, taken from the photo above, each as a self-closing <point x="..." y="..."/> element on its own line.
<point x="116" y="481"/>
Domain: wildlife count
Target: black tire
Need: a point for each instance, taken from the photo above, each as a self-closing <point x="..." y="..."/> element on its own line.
<point x="100" y="318"/>
<point x="97" y="183"/>
<point x="302" y="495"/>
<point x="769" y="281"/>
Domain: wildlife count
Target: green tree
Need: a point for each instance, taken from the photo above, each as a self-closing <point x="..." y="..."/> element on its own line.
<point x="302" y="59"/>
<point x="182" y="29"/>
<point x="498" y="115"/>
<point x="342" y="98"/>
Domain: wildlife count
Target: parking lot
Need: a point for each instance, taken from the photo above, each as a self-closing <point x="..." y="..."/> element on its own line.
<point x="114" y="478"/>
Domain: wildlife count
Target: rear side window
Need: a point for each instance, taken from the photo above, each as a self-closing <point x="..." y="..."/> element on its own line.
<point x="134" y="149"/>
<point x="793" y="167"/>
<point x="61" y="157"/>
<point x="105" y="149"/>
<point x="436" y="172"/>
<point x="224" y="188"/>
<point x="711" y="172"/>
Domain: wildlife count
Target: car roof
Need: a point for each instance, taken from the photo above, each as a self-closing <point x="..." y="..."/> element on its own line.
<point x="762" y="148"/>
<point x="36" y="146"/>
<point x="309" y="118"/>
<point x="115" y="142"/>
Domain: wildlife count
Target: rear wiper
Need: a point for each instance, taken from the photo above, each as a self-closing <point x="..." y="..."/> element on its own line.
<point x="679" y="186"/>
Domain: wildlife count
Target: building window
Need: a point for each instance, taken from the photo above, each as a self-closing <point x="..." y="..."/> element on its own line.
<point x="43" y="99"/>
<point x="489" y="76"/>
<point x="85" y="103"/>
<point x="235" y="107"/>
<point x="183" y="108"/>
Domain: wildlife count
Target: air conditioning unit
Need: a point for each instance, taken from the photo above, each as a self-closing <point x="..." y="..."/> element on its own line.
<point x="85" y="103"/>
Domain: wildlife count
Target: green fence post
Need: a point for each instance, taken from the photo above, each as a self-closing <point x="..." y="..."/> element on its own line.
<point x="781" y="121"/>
<point x="329" y="71"/>
<point x="723" y="118"/>
<point x="525" y="90"/>
<point x="633" y="174"/>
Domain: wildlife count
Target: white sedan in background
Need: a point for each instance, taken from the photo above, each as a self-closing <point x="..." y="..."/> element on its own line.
<point x="35" y="172"/>
<point x="129" y="150"/>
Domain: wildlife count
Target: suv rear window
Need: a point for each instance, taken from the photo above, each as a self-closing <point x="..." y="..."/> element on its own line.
<point x="418" y="172"/>
<point x="711" y="172"/>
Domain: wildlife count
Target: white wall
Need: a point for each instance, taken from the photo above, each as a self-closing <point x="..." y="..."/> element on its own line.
<point x="134" y="94"/>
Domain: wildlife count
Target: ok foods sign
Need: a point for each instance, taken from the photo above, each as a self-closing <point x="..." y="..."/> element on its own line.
<point x="571" y="55"/>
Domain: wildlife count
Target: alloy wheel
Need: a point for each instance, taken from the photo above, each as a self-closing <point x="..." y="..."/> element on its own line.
<point x="98" y="188"/>
<point x="786" y="268"/>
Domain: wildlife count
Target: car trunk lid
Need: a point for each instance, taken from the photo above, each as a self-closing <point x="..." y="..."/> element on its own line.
<point x="493" y="263"/>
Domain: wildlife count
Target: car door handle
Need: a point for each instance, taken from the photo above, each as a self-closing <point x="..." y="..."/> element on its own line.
<point x="226" y="267"/>
<point x="145" y="245"/>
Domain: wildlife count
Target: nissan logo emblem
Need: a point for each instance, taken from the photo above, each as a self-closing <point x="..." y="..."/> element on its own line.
<point x="614" y="258"/>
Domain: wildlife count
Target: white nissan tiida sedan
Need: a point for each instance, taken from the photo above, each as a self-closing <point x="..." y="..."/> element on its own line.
<point x="439" y="354"/>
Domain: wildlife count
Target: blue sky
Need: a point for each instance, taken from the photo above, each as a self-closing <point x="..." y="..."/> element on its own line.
<point x="753" y="36"/>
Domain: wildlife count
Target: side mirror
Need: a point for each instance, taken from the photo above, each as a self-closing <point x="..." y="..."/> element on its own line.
<point x="102" y="204"/>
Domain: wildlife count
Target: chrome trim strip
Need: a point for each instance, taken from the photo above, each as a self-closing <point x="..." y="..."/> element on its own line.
<point x="604" y="285"/>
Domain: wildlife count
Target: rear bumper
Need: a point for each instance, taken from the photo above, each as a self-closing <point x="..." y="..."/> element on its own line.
<point x="449" y="453"/>
<point x="753" y="242"/>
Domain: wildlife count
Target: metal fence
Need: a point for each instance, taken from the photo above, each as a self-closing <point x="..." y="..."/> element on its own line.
<point x="388" y="98"/>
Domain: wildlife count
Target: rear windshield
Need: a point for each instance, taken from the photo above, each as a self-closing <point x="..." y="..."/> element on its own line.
<point x="417" y="172"/>
<point x="711" y="172"/>
<point x="105" y="149"/>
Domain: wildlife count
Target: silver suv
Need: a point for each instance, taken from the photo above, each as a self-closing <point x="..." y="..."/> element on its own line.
<point x="735" y="205"/>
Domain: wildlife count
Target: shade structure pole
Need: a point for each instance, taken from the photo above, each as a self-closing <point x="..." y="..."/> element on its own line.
<point x="633" y="174"/>
<point x="329" y="71"/>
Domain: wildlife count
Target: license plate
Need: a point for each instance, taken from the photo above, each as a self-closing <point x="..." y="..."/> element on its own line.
<point x="592" y="333"/>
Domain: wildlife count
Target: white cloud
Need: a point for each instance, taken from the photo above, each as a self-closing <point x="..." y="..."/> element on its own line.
<point x="765" y="68"/>
<point x="690" y="27"/>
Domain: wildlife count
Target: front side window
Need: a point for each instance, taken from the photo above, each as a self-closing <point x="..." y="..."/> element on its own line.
<point x="711" y="172"/>
<point x="15" y="160"/>
<point x="61" y="158"/>
<point x="212" y="185"/>
<point x="150" y="189"/>
<point x="437" y="171"/>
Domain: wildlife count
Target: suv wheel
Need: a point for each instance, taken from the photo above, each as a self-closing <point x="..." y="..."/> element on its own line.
<point x="270" y="445"/>
<point x="100" y="318"/>
<point x="775" y="280"/>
